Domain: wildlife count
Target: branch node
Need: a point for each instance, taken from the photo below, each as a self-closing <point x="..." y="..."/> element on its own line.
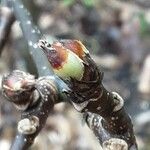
<point x="115" y="144"/>
<point x="28" y="125"/>
<point x="118" y="100"/>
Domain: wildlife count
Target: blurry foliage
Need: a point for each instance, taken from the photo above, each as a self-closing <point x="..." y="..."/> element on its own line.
<point x="68" y="2"/>
<point x="144" y="25"/>
<point x="89" y="3"/>
<point x="86" y="3"/>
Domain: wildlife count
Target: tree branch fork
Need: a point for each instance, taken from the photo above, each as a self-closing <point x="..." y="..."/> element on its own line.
<point x="35" y="99"/>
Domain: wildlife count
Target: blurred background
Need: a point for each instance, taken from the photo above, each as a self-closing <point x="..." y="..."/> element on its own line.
<point x="117" y="34"/>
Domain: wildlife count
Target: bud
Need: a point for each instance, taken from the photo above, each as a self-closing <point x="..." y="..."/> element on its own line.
<point x="17" y="88"/>
<point x="66" y="57"/>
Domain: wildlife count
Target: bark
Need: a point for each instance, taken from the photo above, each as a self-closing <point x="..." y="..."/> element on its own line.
<point x="105" y="111"/>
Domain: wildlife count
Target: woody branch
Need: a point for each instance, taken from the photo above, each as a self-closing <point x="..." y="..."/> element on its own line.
<point x="104" y="110"/>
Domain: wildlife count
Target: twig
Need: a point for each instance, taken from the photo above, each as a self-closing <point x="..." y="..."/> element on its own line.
<point x="32" y="35"/>
<point x="35" y="98"/>
<point x="87" y="95"/>
<point x="115" y="122"/>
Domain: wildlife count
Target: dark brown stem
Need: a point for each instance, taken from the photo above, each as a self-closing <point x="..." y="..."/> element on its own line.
<point x="106" y="114"/>
<point x="114" y="123"/>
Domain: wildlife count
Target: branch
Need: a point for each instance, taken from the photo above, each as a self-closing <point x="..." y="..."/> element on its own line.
<point x="88" y="93"/>
<point x="35" y="98"/>
<point x="84" y="89"/>
<point x="32" y="35"/>
<point x="114" y="123"/>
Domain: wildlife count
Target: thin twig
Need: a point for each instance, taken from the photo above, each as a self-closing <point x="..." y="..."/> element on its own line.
<point x="32" y="35"/>
<point x="35" y="98"/>
<point x="89" y="95"/>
